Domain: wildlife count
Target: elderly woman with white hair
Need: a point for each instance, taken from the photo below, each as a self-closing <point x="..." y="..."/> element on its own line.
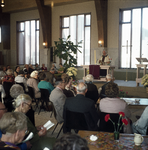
<point x="9" y="77"/>
<point x="13" y="126"/>
<point x="33" y="82"/>
<point x="92" y="92"/>
<point x="22" y="104"/>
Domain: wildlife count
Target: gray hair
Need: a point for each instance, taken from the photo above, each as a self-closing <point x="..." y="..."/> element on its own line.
<point x="20" y="99"/>
<point x="108" y="76"/>
<point x="34" y="73"/>
<point x="11" y="122"/>
<point x="89" y="78"/>
<point x="81" y="87"/>
<point x="9" y="72"/>
<point x="16" y="90"/>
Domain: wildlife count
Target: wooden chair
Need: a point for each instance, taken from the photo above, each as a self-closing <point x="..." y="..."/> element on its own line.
<point x="108" y="126"/>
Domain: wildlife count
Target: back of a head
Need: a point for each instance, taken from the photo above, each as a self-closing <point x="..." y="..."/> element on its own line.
<point x="16" y="90"/>
<point x="111" y="90"/>
<point x="11" y="122"/>
<point x="71" y="142"/>
<point x="109" y="77"/>
<point x="81" y="87"/>
<point x="65" y="78"/>
<point x="9" y="72"/>
<point x="42" y="76"/>
<point x="20" y="99"/>
<point x="33" y="74"/>
<point x="89" y="78"/>
<point x="21" y="72"/>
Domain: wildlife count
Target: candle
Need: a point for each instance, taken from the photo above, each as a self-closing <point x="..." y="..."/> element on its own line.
<point x="94" y="56"/>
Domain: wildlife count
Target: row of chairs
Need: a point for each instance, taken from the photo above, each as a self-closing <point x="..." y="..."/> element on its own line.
<point x="44" y="100"/>
<point x="77" y="121"/>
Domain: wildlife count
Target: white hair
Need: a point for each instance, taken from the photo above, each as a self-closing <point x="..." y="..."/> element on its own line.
<point x="34" y="73"/>
<point x="108" y="76"/>
<point x="89" y="78"/>
<point x="9" y="72"/>
<point x="20" y="99"/>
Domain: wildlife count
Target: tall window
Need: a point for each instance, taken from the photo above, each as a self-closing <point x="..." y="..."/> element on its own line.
<point x="28" y="42"/>
<point x="78" y="26"/>
<point x="134" y="36"/>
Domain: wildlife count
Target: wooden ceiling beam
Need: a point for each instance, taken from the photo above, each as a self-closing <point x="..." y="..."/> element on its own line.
<point x="45" y="17"/>
<point x="101" y="11"/>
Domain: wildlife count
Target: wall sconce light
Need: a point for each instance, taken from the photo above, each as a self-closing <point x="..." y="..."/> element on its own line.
<point x="44" y="44"/>
<point x="52" y="4"/>
<point x="100" y="43"/>
<point x="2" y="3"/>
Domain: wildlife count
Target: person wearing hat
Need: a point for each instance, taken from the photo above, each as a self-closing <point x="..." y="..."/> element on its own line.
<point x="21" y="79"/>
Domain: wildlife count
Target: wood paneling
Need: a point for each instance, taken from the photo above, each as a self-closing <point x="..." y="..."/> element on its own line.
<point x="101" y="11"/>
<point x="45" y="17"/>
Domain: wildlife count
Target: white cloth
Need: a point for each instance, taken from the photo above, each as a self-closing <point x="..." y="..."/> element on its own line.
<point x="106" y="59"/>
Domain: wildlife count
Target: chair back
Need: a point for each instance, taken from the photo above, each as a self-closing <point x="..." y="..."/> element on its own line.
<point x="108" y="126"/>
<point x="75" y="120"/>
<point x="44" y="94"/>
<point x="21" y="84"/>
<point x="7" y="86"/>
<point x="31" y="92"/>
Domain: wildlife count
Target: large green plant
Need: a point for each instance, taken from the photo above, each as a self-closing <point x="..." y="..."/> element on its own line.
<point x="66" y="50"/>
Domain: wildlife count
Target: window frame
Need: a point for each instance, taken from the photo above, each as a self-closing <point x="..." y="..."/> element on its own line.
<point x="61" y="28"/>
<point x="17" y="42"/>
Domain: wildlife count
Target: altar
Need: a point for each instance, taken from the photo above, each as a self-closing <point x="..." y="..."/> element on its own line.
<point x="105" y="67"/>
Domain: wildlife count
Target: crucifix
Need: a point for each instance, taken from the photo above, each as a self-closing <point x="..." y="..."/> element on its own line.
<point x="126" y="58"/>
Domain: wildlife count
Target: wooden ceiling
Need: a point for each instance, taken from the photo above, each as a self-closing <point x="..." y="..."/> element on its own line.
<point x="22" y="5"/>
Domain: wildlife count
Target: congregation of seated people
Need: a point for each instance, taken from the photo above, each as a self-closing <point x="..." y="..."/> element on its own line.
<point x="65" y="98"/>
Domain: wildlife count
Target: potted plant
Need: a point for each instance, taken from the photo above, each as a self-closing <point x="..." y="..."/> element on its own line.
<point x="67" y="50"/>
<point x="144" y="81"/>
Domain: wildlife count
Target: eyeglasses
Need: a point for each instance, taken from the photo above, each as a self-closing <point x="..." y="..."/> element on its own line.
<point x="28" y="105"/>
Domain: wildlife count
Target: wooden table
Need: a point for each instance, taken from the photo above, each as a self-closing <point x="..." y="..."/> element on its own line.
<point x="105" y="67"/>
<point x="139" y="66"/>
<point x="108" y="139"/>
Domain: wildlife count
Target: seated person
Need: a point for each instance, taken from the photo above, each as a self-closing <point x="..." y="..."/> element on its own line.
<point x="104" y="58"/>
<point x="141" y="125"/>
<point x="9" y="77"/>
<point x="32" y="82"/>
<point x="3" y="94"/>
<point x="43" y="84"/>
<point x="92" y="91"/>
<point x="84" y="105"/>
<point x="31" y="69"/>
<point x="71" y="142"/>
<point x="21" y="79"/>
<point x="8" y="67"/>
<point x="102" y="89"/>
<point x="43" y="67"/>
<point x="13" y="125"/>
<point x="60" y="72"/>
<point x="69" y="91"/>
<point x="16" y="71"/>
<point x="3" y="72"/>
<point x="22" y="104"/>
<point x="53" y="69"/>
<point x="113" y="104"/>
<point x="57" y="97"/>
<point x="37" y="67"/>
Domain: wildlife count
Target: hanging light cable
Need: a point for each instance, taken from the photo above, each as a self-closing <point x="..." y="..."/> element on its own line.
<point x="2" y="3"/>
